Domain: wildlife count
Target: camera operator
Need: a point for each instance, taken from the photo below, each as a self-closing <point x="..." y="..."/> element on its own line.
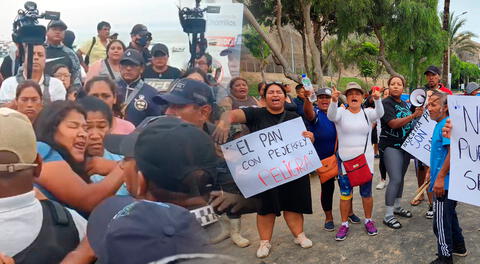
<point x="52" y="88"/>
<point x="140" y="41"/>
<point x="58" y="53"/>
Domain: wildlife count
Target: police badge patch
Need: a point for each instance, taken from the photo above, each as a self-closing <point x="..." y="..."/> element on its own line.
<point x="140" y="103"/>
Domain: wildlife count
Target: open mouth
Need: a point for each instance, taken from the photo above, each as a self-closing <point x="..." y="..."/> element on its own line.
<point x="80" y="146"/>
<point x="354" y="101"/>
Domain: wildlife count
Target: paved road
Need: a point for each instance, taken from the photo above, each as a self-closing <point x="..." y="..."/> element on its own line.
<point x="414" y="243"/>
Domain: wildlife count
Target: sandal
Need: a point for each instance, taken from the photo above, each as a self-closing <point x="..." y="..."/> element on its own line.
<point x="403" y="213"/>
<point x="392" y="223"/>
<point x="416" y="202"/>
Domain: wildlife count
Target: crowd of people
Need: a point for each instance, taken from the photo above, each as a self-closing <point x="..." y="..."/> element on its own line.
<point x="86" y="137"/>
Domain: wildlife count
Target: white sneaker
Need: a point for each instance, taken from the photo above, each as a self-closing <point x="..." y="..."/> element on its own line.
<point x="381" y="185"/>
<point x="303" y="241"/>
<point x="264" y="249"/>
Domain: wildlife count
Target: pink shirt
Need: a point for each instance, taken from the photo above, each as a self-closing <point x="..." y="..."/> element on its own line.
<point x="122" y="127"/>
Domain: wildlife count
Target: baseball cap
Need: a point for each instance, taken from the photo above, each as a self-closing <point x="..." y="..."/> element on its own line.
<point x="123" y="230"/>
<point x="168" y="150"/>
<point x="432" y="69"/>
<point x="160" y="49"/>
<point x="471" y="86"/>
<point x="138" y="29"/>
<point x="57" y="23"/>
<point x="324" y="91"/>
<point x="132" y="55"/>
<point x="353" y="86"/>
<point x="186" y="91"/>
<point x="17" y="137"/>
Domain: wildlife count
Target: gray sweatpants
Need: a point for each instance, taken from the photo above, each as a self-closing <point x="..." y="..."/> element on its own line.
<point x="396" y="163"/>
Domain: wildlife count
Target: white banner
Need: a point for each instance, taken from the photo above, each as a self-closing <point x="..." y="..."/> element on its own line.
<point x="464" y="183"/>
<point x="270" y="157"/>
<point x="419" y="142"/>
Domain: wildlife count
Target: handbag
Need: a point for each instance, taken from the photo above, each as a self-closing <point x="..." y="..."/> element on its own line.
<point x="357" y="169"/>
<point x="329" y="167"/>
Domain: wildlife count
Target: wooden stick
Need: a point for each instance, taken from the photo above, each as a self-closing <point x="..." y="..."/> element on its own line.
<point x="420" y="191"/>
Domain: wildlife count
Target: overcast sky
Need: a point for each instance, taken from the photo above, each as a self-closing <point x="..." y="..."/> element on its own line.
<point x="83" y="16"/>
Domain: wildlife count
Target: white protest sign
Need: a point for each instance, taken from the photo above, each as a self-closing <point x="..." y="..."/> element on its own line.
<point x="464" y="183"/>
<point x="419" y="141"/>
<point x="270" y="157"/>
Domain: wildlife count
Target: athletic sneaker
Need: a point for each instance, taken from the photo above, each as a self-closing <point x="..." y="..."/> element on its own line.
<point x="443" y="260"/>
<point x="354" y="219"/>
<point x="342" y="233"/>
<point x="461" y="251"/>
<point x="371" y="229"/>
<point x="303" y="241"/>
<point x="380" y="185"/>
<point x="429" y="213"/>
<point x="329" y="226"/>
<point x="264" y="249"/>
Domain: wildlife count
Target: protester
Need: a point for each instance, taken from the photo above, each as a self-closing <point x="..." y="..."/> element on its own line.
<point x="196" y="74"/>
<point x="446" y="226"/>
<point x="270" y="203"/>
<point x="397" y="122"/>
<point x="140" y="40"/>
<point x="192" y="102"/>
<point x="135" y="95"/>
<point x="381" y="166"/>
<point x="300" y="99"/>
<point x="432" y="74"/>
<point x="95" y="49"/>
<point x="472" y="89"/>
<point x="353" y="126"/>
<point x="58" y="53"/>
<point x="52" y="88"/>
<point x="159" y="69"/>
<point x="62" y="73"/>
<point x="289" y="103"/>
<point x="204" y="63"/>
<point x="62" y="141"/>
<point x="325" y="144"/>
<point x="105" y="89"/>
<point x="261" y="88"/>
<point x="28" y="99"/>
<point x="32" y="231"/>
<point x="100" y="162"/>
<point x="110" y="66"/>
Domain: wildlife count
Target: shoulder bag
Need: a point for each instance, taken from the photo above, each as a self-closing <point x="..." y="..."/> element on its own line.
<point x="329" y="167"/>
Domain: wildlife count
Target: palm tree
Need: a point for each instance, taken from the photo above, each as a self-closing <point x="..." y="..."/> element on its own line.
<point x="460" y="42"/>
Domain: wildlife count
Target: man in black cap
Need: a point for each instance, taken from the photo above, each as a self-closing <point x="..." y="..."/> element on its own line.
<point x="140" y="39"/>
<point x="58" y="53"/>
<point x="134" y="94"/>
<point x="193" y="102"/>
<point x="432" y="74"/>
<point x="159" y="68"/>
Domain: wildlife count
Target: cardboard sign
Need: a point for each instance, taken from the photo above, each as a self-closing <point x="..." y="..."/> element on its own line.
<point x="419" y="142"/>
<point x="464" y="183"/>
<point x="270" y="157"/>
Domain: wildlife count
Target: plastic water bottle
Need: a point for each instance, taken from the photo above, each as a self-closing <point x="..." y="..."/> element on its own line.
<point x="307" y="85"/>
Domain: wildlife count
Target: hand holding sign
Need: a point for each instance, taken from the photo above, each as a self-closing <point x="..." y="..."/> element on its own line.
<point x="447" y="129"/>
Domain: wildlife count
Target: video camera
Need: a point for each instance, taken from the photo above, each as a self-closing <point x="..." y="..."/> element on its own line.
<point x="193" y="22"/>
<point x="25" y="26"/>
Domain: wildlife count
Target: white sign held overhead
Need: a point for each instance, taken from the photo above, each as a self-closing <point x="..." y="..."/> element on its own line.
<point x="270" y="157"/>
<point x="419" y="142"/>
<point x="464" y="183"/>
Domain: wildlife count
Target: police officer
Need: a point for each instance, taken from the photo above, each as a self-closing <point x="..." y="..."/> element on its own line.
<point x="134" y="94"/>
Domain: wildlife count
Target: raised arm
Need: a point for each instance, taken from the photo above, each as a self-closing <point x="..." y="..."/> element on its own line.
<point x="333" y="108"/>
<point x="226" y="120"/>
<point x="308" y="107"/>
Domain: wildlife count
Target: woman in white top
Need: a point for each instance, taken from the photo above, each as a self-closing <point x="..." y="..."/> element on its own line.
<point x="353" y="126"/>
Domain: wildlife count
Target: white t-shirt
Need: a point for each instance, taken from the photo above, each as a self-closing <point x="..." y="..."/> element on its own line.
<point x="353" y="130"/>
<point x="9" y="89"/>
<point x="21" y="219"/>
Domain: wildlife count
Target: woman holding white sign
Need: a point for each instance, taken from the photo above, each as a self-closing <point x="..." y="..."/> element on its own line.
<point x="292" y="198"/>
<point x="396" y="126"/>
<point x="353" y="126"/>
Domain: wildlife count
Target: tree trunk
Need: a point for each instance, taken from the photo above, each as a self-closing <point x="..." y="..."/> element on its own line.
<point x="446" y="14"/>
<point x="287" y="70"/>
<point x="305" y="53"/>
<point x="381" y="53"/>
<point x="317" y="67"/>
<point x="278" y="23"/>
<point x="339" y="76"/>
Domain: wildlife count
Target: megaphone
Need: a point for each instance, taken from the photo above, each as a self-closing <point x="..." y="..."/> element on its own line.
<point x="418" y="97"/>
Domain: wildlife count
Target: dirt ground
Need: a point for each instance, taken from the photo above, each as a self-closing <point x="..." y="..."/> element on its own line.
<point x="414" y="243"/>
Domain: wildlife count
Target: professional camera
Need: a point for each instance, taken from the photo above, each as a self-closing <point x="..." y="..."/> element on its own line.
<point x="193" y="22"/>
<point x="25" y="26"/>
<point x="145" y="37"/>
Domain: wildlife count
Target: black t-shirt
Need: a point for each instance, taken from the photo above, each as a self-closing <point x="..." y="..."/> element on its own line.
<point x="394" y="137"/>
<point x="260" y="118"/>
<point x="170" y="73"/>
<point x="57" y="56"/>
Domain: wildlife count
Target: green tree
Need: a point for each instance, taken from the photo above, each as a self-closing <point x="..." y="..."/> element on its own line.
<point x="460" y="42"/>
<point x="258" y="47"/>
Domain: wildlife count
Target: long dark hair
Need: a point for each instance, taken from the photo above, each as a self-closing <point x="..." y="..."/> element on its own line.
<point x="199" y="71"/>
<point x="27" y="84"/>
<point x="115" y="41"/>
<point x="46" y="125"/>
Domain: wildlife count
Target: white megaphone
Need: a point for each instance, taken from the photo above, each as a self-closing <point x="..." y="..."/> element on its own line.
<point x="418" y="97"/>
